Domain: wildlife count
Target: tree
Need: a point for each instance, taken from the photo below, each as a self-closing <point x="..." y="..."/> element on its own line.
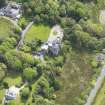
<point x="94" y="29"/>
<point x="7" y="44"/>
<point x="83" y="39"/>
<point x="77" y="10"/>
<point x="26" y="58"/>
<point x="13" y="62"/>
<point x="59" y="60"/>
<point x="25" y="93"/>
<point x="2" y="3"/>
<point x="43" y="88"/>
<point x="62" y="10"/>
<point x="26" y="48"/>
<point x="23" y="23"/>
<point x="39" y="100"/>
<point x="29" y="74"/>
<point x="19" y="60"/>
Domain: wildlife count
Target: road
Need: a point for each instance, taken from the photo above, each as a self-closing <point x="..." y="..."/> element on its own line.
<point x="23" y="35"/>
<point x="97" y="86"/>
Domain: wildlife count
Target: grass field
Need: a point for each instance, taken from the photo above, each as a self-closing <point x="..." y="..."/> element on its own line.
<point x="5" y="28"/>
<point x="38" y="31"/>
<point x="100" y="98"/>
<point x="75" y="79"/>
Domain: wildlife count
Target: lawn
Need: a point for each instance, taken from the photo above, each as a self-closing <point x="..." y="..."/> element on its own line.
<point x="75" y="79"/>
<point x="100" y="98"/>
<point x="2" y="92"/>
<point x="13" y="79"/>
<point x="38" y="32"/>
<point x="5" y="28"/>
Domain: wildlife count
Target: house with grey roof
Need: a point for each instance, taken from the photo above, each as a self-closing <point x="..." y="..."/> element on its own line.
<point x="11" y="94"/>
<point x="53" y="44"/>
<point x="54" y="49"/>
<point x="12" y="10"/>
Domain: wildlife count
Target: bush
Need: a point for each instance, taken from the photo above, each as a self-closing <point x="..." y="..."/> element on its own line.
<point x="29" y="74"/>
<point x="22" y="23"/>
<point x="17" y="30"/>
<point x="5" y="84"/>
<point x="3" y="70"/>
<point x="25" y="93"/>
<point x="94" y="64"/>
<point x="56" y="85"/>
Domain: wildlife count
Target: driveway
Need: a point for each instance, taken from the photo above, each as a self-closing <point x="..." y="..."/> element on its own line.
<point x="23" y="35"/>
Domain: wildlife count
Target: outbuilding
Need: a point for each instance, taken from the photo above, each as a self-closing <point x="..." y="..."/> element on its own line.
<point x="11" y="93"/>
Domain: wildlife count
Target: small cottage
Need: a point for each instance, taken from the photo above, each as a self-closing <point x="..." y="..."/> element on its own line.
<point x="11" y="93"/>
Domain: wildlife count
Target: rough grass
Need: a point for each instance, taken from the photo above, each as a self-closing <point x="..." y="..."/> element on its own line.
<point x="38" y="32"/>
<point x="5" y="28"/>
<point x="75" y="78"/>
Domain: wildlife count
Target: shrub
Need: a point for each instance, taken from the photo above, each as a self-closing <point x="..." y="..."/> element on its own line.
<point x="25" y="93"/>
<point x="5" y="84"/>
<point x="17" y="31"/>
<point x="22" y="23"/>
<point x="29" y="74"/>
<point x="94" y="64"/>
<point x="3" y="70"/>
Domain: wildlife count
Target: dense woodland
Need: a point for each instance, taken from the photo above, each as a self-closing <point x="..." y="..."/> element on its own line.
<point x="82" y="31"/>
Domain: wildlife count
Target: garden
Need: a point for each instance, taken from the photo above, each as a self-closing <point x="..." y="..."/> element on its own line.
<point x="100" y="98"/>
<point x="40" y="32"/>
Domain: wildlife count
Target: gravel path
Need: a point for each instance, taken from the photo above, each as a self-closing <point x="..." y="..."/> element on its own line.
<point x="23" y="35"/>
